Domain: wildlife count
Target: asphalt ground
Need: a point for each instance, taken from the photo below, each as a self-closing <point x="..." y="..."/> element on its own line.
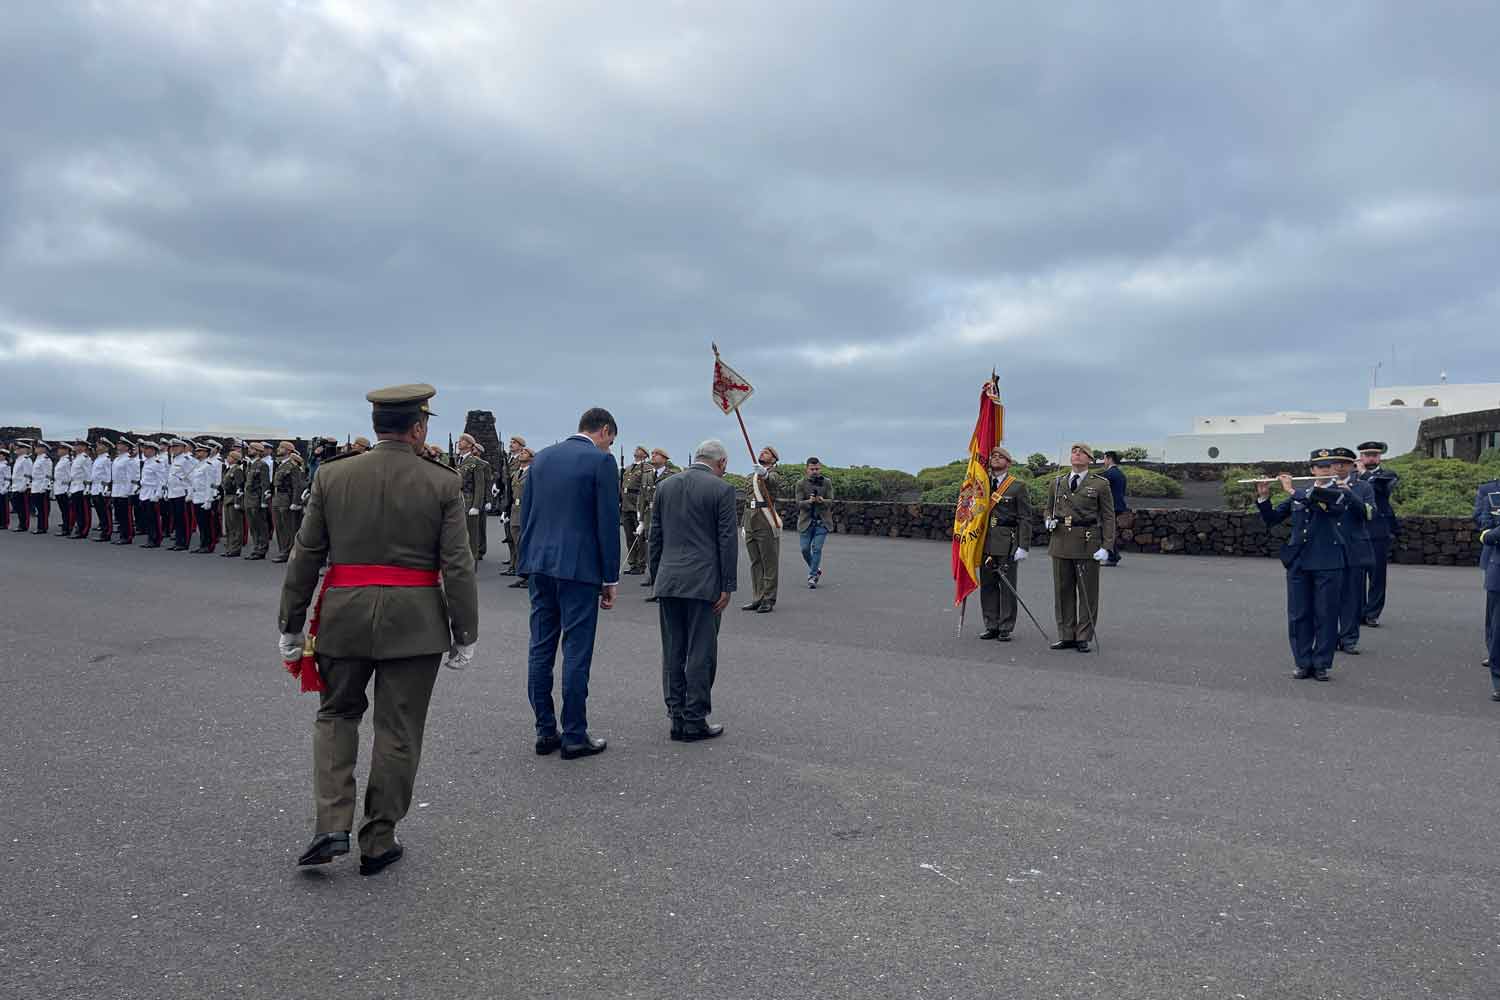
<point x="894" y="811"/>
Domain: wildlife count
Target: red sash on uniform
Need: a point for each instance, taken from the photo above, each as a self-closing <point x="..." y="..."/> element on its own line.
<point x="305" y="669"/>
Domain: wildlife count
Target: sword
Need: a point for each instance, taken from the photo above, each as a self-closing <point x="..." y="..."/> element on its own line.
<point x="1016" y="594"/>
<point x="1083" y="593"/>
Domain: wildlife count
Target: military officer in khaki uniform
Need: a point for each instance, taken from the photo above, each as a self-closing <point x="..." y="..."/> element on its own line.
<point x="399" y="593"/>
<point x="632" y="484"/>
<point x="1081" y="516"/>
<point x="661" y="468"/>
<point x="233" y="494"/>
<point x="287" y="483"/>
<point x="519" y="467"/>
<point x="257" y="499"/>
<point x="482" y="494"/>
<point x="1005" y="545"/>
<point x="763" y="532"/>
<point x="471" y="480"/>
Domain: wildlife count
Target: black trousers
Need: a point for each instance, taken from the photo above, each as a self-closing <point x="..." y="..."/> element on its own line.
<point x="689" y="656"/>
<point x="179" y="506"/>
<point x="206" y="520"/>
<point x="102" y="512"/>
<point x="81" y="523"/>
<point x="124" y="518"/>
<point x="1375" y="579"/>
<point x="148" y="519"/>
<point x="64" y="512"/>
<point x="21" y="504"/>
<point x="40" y="509"/>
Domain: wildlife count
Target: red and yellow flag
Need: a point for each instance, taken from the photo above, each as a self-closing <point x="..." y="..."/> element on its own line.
<point x="971" y="519"/>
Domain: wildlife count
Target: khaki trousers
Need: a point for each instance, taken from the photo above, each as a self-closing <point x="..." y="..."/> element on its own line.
<point x="635" y="553"/>
<point x="996" y="600"/>
<point x="1072" y="579"/>
<point x="284" y="520"/>
<point x="403" y="689"/>
<point x="234" y="529"/>
<point x="260" y="530"/>
<point x="763" y="543"/>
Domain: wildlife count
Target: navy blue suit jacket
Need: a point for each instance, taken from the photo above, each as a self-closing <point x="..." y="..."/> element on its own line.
<point x="570" y="514"/>
<point x="1384" y="524"/>
<point x="1486" y="503"/>
<point x="1117" y="487"/>
<point x="1317" y="542"/>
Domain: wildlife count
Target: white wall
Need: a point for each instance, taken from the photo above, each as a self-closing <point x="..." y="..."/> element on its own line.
<point x="1292" y="442"/>
<point x="1451" y="398"/>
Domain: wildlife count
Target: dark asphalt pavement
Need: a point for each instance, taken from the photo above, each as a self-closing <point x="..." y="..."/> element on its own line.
<point x="893" y="812"/>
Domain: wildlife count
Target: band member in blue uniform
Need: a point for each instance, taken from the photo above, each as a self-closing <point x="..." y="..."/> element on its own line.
<point x="1383" y="528"/>
<point x="1487" y="516"/>
<point x="1354" y="530"/>
<point x="1316" y="558"/>
<point x="1489" y="558"/>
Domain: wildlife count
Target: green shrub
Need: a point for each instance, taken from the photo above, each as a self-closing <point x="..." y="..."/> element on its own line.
<point x="947" y="493"/>
<point x="1134" y="453"/>
<point x="1038" y="463"/>
<point x="942" y="475"/>
<point x="1443" y="487"/>
<point x="1145" y="483"/>
<point x="1240" y="496"/>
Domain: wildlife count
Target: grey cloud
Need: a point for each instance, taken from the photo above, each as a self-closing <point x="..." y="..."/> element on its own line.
<point x="1167" y="210"/>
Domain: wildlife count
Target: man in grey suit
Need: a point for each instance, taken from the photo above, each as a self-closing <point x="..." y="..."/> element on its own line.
<point x="692" y="558"/>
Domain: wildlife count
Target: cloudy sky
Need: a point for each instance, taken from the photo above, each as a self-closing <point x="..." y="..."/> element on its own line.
<point x="250" y="213"/>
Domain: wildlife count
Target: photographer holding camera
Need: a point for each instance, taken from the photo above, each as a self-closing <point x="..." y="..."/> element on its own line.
<point x="813" y="494"/>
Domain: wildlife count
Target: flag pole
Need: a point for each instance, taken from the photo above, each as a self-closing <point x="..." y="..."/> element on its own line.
<point x="959" y="631"/>
<point x="748" y="446"/>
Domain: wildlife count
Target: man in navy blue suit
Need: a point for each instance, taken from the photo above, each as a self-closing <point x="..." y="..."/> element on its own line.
<point x="1487" y="516"/>
<point x="1116" y="477"/>
<point x="570" y="554"/>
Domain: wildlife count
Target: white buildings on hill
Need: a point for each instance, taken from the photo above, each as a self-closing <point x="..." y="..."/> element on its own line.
<point x="1392" y="416"/>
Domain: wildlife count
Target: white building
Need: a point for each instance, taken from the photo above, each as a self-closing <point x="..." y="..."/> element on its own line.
<point x="1392" y="416"/>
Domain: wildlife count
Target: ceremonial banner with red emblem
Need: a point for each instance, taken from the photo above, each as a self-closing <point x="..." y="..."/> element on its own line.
<point x="730" y="388"/>
<point x="971" y="519"/>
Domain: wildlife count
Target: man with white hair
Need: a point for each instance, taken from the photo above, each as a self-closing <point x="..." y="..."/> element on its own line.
<point x="693" y="559"/>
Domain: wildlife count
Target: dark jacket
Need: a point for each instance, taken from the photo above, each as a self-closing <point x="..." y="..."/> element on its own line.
<point x="1489" y="555"/>
<point x="1486" y="516"/>
<point x="1117" y="487"/>
<point x="1355" y="523"/>
<point x="1318" y="541"/>
<point x="806" y="490"/>
<point x="570" y="514"/>
<point x="1384" y="524"/>
<point x="693" y="551"/>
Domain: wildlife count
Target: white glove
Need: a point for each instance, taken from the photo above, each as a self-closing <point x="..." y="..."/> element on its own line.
<point x="460" y="656"/>
<point x="290" y="646"/>
<point x="1019" y="556"/>
<point x="473" y="511"/>
<point x="640" y="528"/>
<point x="1051" y="523"/>
<point x="296" y="506"/>
<point x="206" y="506"/>
<point x="1101" y="556"/>
<point x="504" y="518"/>
<point x="489" y="507"/>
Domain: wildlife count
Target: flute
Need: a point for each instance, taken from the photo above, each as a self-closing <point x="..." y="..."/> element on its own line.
<point x="1277" y="479"/>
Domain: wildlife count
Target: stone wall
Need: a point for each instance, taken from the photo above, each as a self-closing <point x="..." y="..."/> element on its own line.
<point x="1437" y="541"/>
<point x="1471" y="434"/>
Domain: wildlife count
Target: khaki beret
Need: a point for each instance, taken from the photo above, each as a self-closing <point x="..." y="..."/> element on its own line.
<point x="1003" y="451"/>
<point x="1085" y="449"/>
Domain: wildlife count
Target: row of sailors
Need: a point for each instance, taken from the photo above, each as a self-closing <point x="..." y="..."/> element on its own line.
<point x="140" y="490"/>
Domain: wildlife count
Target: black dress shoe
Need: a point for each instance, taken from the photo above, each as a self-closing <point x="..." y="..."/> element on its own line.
<point x="279" y="559"/>
<point x="1063" y="644"/>
<point x="1321" y="674"/>
<point x="254" y="556"/>
<point x="766" y="607"/>
<point x="1003" y="637"/>
<point x="634" y="572"/>
<point x="590" y="746"/>
<point x="1302" y="673"/>
<point x="647" y="582"/>
<point x="1349" y="650"/>
<point x="369" y="865"/>
<point x="324" y="848"/>
<point x="517" y="585"/>
<point x="752" y="606"/>
<point x="1370" y="623"/>
<point x="507" y="572"/>
<point x="1486" y="662"/>
<point x="990" y="633"/>
<point x="652" y="599"/>
<point x="1495" y="696"/>
<point x="548" y="744"/>
<point x="692" y="732"/>
<point x="152" y="545"/>
<point x="1081" y="645"/>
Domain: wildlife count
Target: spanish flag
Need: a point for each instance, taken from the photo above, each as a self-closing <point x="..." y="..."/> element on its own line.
<point x="971" y="519"/>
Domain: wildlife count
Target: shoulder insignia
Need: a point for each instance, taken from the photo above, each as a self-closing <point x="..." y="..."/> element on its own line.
<point x="337" y="458"/>
<point x="441" y="465"/>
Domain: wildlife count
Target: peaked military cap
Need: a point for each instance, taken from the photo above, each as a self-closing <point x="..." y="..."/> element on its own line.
<point x="209" y="443"/>
<point x="1343" y="454"/>
<point x="1326" y="456"/>
<point x="104" y="443"/>
<point x="410" y="398"/>
<point x="148" y="443"/>
<point x="126" y="443"/>
<point x="4" y="450"/>
<point x="23" y="442"/>
<point x="1373" y="446"/>
<point x="39" y="443"/>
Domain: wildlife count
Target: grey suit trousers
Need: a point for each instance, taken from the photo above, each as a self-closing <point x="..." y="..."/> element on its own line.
<point x="689" y="656"/>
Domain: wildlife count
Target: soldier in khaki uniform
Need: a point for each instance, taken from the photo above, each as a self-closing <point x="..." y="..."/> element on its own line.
<point x="1081" y="516"/>
<point x="287" y="484"/>
<point x="632" y="484"/>
<point x="471" y="479"/>
<point x="483" y="493"/>
<point x="661" y="468"/>
<point x="1005" y="545"/>
<point x="763" y="532"/>
<point x="233" y="494"/>
<point x="520" y="466"/>
<point x="257" y="496"/>
<point x="398" y="594"/>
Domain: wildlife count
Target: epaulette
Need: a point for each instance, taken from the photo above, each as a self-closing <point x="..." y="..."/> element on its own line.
<point x="335" y="458"/>
<point x="440" y="465"/>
